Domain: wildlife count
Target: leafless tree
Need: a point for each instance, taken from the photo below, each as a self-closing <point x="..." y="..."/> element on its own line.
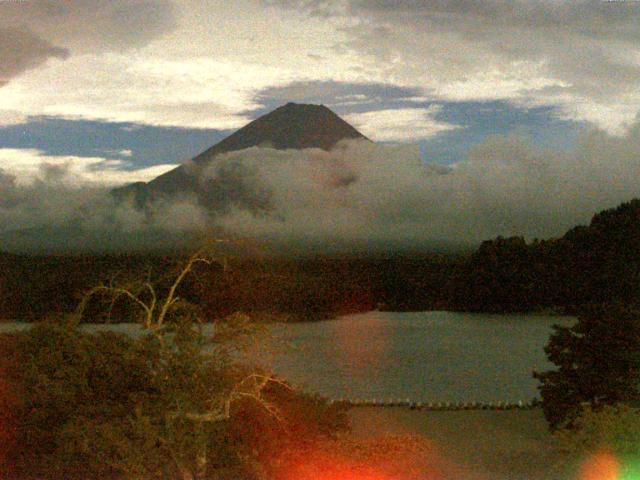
<point x="157" y="312"/>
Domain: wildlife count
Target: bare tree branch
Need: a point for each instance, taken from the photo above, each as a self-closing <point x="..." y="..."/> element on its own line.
<point x="170" y="300"/>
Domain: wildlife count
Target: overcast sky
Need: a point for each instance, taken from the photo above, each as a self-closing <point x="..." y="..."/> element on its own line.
<point x="123" y="90"/>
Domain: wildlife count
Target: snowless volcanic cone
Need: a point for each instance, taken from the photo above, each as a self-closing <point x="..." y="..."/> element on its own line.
<point x="290" y="127"/>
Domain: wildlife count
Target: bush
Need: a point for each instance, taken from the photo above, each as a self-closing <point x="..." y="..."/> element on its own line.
<point x="65" y="381"/>
<point x="107" y="405"/>
<point x="612" y="428"/>
<point x="598" y="362"/>
<point x="171" y="403"/>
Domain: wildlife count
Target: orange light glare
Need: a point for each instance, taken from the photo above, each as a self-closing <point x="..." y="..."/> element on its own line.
<point x="602" y="465"/>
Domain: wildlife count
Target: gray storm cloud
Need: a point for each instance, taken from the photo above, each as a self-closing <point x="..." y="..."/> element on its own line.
<point x="363" y="192"/>
<point x="21" y="50"/>
<point x="35" y="30"/>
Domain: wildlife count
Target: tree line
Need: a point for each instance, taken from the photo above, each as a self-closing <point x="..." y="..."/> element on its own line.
<point x="299" y="289"/>
<point x="588" y="265"/>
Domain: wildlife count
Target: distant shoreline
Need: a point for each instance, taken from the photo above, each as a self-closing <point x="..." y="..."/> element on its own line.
<point x="533" y="313"/>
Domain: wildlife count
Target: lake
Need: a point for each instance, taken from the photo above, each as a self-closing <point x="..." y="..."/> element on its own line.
<point x="422" y="356"/>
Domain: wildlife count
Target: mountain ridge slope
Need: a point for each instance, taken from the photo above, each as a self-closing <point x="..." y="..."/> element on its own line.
<point x="291" y="126"/>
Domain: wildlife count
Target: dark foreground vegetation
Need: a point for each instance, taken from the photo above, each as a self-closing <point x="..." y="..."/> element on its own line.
<point x="79" y="405"/>
<point x="591" y="399"/>
<point x="598" y="364"/>
<point x="588" y="265"/>
<point x="171" y="403"/>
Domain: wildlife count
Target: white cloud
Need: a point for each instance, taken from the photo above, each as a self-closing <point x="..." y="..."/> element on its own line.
<point x="138" y="88"/>
<point x="205" y="73"/>
<point x="11" y="117"/>
<point x="42" y="203"/>
<point x="580" y="55"/>
<point x="360" y="192"/>
<point x="401" y="124"/>
<point x="367" y="192"/>
<point x="45" y="191"/>
<point x="29" y="166"/>
<point x="180" y="65"/>
<point x="118" y="153"/>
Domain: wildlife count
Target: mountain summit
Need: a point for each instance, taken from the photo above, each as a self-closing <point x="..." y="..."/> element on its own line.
<point x="291" y="126"/>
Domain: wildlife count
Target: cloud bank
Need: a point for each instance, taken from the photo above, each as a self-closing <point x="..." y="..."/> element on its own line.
<point x="366" y="193"/>
<point x="213" y="63"/>
<point x="37" y="190"/>
<point x="81" y="26"/>
<point x="506" y="186"/>
<point x="582" y="55"/>
<point x="29" y="166"/>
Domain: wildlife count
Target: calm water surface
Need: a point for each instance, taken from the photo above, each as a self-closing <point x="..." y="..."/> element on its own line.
<point x="428" y="356"/>
<point x="423" y="356"/>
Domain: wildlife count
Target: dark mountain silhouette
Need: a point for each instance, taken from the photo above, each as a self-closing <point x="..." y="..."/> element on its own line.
<point x="292" y="126"/>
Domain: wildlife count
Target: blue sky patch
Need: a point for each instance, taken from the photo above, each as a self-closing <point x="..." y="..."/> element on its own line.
<point x="480" y="120"/>
<point x="151" y="145"/>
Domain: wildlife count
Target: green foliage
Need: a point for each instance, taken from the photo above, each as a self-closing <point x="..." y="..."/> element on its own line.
<point x="598" y="363"/>
<point x="107" y="405"/>
<point x="612" y="428"/>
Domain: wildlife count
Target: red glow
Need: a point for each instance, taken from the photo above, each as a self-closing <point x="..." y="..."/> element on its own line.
<point x="389" y="458"/>
<point x="601" y="466"/>
<point x="331" y="471"/>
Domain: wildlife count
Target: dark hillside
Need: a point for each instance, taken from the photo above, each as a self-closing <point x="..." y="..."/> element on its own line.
<point x="588" y="265"/>
<point x="302" y="289"/>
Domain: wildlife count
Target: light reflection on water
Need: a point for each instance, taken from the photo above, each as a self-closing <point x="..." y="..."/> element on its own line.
<point x="422" y="356"/>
